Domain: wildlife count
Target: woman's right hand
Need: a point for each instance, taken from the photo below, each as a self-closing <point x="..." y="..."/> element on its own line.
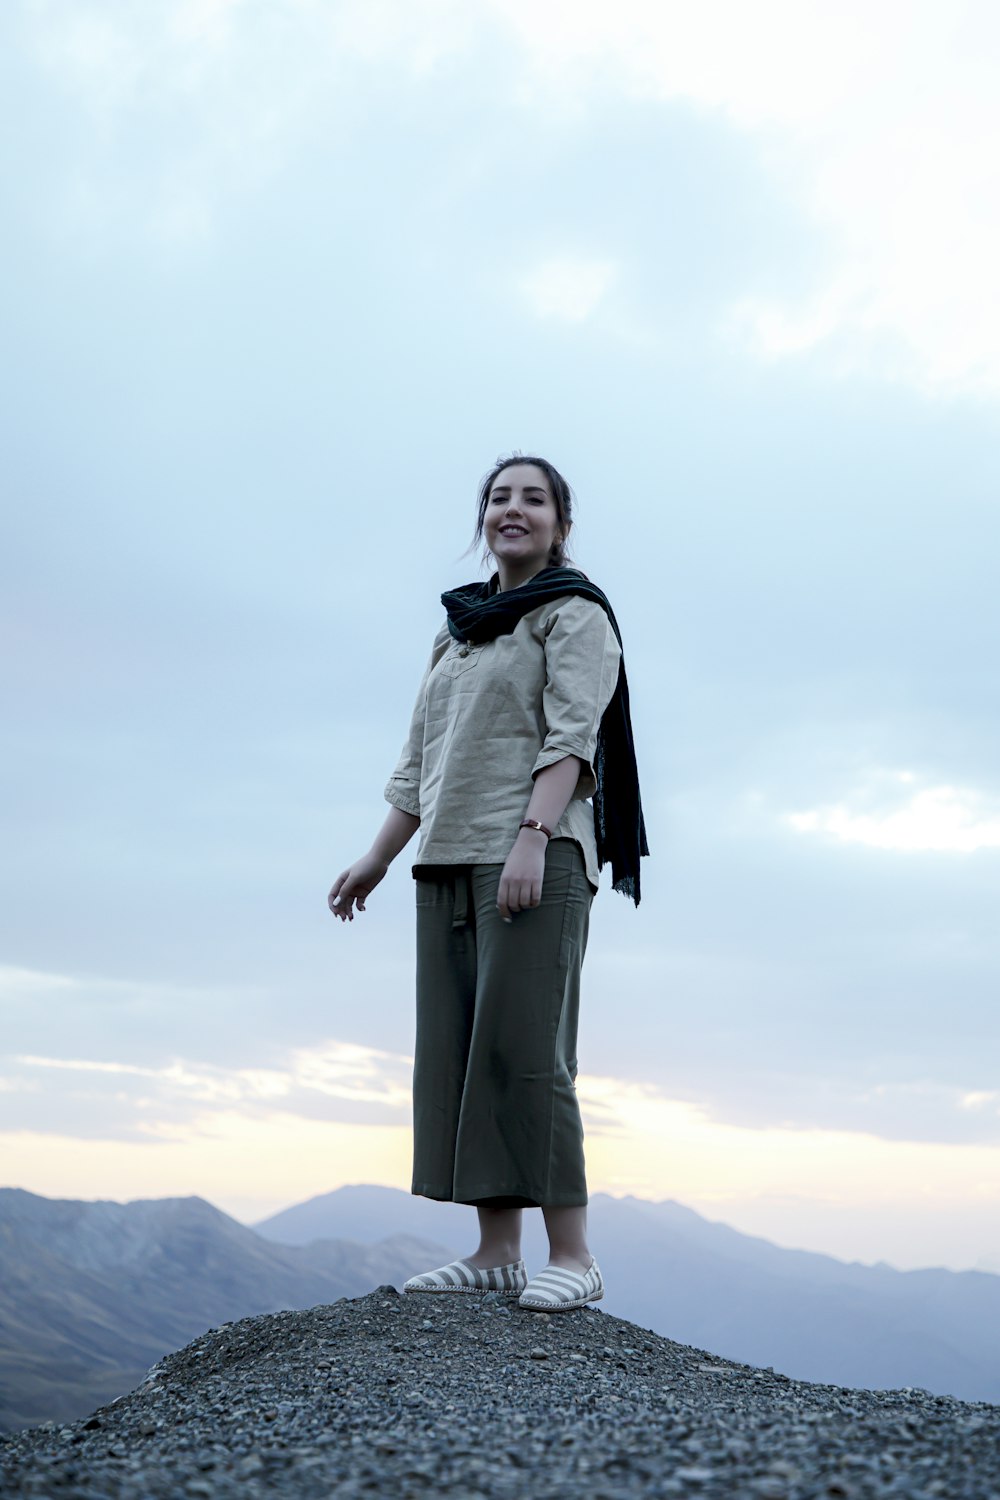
<point x="355" y="884"/>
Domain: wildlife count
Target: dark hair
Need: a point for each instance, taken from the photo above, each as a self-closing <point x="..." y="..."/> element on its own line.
<point x="561" y="494"/>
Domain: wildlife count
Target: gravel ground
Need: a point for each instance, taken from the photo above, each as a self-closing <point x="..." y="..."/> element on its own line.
<point x="468" y="1396"/>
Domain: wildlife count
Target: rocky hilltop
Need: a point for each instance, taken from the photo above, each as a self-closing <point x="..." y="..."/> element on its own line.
<point x="470" y="1397"/>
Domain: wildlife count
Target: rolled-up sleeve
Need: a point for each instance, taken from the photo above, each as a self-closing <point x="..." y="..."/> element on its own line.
<point x="582" y="657"/>
<point x="403" y="787"/>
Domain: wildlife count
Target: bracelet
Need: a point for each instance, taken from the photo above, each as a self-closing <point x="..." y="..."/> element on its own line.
<point x="534" y="823"/>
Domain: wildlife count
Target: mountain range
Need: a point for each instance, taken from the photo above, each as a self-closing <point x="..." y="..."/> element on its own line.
<point x="92" y="1294"/>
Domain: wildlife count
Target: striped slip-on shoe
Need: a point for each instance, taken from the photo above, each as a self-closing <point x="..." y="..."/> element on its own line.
<point x="462" y="1276"/>
<point x="558" y="1290"/>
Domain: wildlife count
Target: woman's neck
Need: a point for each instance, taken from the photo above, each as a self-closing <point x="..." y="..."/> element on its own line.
<point x="512" y="577"/>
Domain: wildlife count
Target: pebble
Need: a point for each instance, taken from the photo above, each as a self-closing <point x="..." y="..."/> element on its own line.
<point x="770" y="1488"/>
<point x="417" y="1397"/>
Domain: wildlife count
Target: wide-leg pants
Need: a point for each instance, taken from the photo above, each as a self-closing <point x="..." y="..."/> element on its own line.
<point x="495" y="1112"/>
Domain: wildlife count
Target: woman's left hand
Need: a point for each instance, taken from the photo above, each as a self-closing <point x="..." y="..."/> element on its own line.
<point x="521" y="878"/>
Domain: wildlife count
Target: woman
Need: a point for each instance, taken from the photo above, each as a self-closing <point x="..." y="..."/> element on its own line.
<point x="521" y="717"/>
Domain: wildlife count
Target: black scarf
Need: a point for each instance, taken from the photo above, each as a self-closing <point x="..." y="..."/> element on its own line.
<point x="480" y="612"/>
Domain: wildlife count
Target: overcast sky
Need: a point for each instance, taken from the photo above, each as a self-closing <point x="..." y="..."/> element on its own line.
<point x="280" y="284"/>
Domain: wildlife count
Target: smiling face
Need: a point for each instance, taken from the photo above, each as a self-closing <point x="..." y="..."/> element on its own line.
<point x="521" y="522"/>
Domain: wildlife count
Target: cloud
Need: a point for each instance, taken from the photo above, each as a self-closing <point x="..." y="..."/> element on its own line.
<point x="566" y="288"/>
<point x="344" y="1082"/>
<point x="337" y="1081"/>
<point x="981" y="1099"/>
<point x="939" y="818"/>
<point x="881" y="120"/>
<point x="29" y="992"/>
<point x="184" y="108"/>
<point x="775" y="330"/>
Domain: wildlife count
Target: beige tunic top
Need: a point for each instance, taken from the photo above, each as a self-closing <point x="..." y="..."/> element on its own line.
<point x="488" y="718"/>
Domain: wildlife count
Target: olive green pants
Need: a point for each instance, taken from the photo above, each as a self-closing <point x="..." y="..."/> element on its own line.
<point x="495" y="1114"/>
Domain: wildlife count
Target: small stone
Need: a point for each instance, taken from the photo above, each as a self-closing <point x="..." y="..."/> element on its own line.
<point x="538" y="1353"/>
<point x="270" y="1416"/>
<point x="771" y="1487"/>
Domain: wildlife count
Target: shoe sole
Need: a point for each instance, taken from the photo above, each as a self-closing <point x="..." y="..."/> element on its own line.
<point x="476" y="1291"/>
<point x="550" y="1307"/>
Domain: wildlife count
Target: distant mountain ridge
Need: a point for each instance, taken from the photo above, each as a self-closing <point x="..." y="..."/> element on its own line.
<point x="702" y="1283"/>
<point x="93" y="1294"/>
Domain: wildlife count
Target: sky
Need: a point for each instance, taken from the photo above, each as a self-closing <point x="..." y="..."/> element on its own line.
<point x="280" y="283"/>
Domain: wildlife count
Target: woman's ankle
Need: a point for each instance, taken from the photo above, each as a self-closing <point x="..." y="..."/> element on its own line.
<point x="571" y="1260"/>
<point x="493" y="1255"/>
